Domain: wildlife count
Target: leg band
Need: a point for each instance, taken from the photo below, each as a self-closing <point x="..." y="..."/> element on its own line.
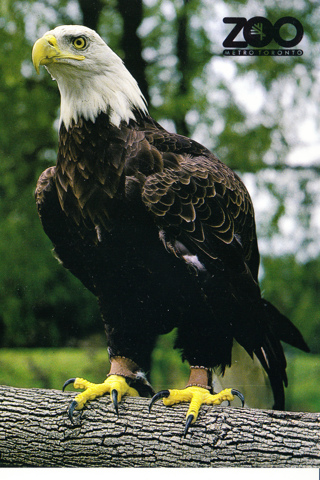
<point x="199" y="377"/>
<point x="124" y="367"/>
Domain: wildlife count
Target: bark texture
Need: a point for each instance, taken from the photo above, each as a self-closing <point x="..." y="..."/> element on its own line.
<point x="36" y="431"/>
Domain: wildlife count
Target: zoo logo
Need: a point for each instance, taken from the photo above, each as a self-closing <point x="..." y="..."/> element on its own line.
<point x="258" y="32"/>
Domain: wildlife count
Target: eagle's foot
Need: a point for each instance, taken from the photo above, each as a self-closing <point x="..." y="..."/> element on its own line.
<point x="116" y="385"/>
<point x="197" y="396"/>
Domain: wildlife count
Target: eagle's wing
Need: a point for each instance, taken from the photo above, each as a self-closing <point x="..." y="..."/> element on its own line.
<point x="76" y="254"/>
<point x="204" y="206"/>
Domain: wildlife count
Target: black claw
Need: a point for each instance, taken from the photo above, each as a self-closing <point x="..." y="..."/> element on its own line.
<point x="114" y="395"/>
<point x="188" y="423"/>
<point x="71" y="380"/>
<point x="71" y="410"/>
<point x="157" y="396"/>
<point x="239" y="395"/>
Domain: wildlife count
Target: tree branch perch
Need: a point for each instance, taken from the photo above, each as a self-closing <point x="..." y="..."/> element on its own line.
<point x="36" y="431"/>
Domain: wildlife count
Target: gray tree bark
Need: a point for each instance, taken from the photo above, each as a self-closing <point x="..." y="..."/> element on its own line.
<point x="36" y="431"/>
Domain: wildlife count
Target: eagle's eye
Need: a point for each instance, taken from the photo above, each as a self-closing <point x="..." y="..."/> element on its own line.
<point x="80" y="43"/>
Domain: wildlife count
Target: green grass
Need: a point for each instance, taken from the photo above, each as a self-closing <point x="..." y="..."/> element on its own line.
<point x="303" y="375"/>
<point x="49" y="368"/>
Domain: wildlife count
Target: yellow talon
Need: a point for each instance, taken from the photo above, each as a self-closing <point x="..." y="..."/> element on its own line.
<point x="197" y="396"/>
<point x="114" y="383"/>
<point x="82" y="383"/>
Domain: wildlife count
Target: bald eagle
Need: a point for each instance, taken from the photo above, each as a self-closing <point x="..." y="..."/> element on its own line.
<point x="157" y="228"/>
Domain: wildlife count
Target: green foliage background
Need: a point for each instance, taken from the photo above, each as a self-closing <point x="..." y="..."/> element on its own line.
<point x="42" y="305"/>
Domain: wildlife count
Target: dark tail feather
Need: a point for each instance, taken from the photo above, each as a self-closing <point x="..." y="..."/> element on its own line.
<point x="270" y="353"/>
<point x="283" y="328"/>
<point x="272" y="359"/>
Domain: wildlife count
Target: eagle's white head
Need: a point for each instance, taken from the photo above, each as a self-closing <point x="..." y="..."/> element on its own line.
<point x="91" y="77"/>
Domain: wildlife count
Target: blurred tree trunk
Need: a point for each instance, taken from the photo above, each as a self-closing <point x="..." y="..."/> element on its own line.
<point x="132" y="15"/>
<point x="182" y="48"/>
<point x="91" y="12"/>
<point x="35" y="431"/>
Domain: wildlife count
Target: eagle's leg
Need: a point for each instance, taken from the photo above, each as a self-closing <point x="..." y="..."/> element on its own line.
<point x="198" y="391"/>
<point x="124" y="375"/>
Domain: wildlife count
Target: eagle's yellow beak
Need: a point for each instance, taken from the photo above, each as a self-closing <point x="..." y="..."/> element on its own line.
<point x="46" y="51"/>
